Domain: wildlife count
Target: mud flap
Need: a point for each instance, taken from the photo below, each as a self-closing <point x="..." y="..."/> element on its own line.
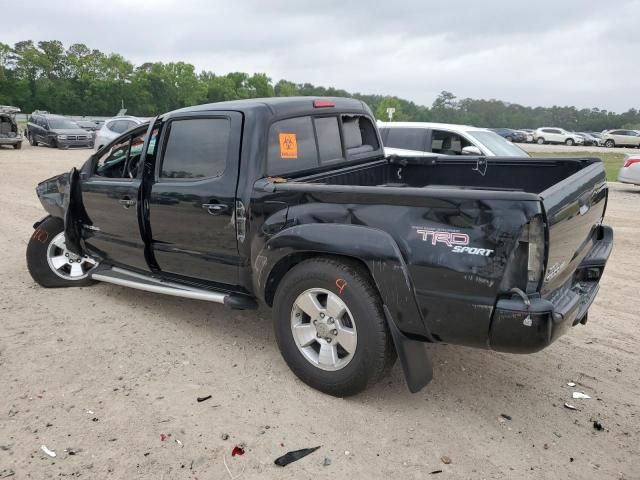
<point x="73" y="213"/>
<point x="414" y="357"/>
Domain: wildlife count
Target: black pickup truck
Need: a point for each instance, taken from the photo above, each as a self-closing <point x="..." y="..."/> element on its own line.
<point x="364" y="258"/>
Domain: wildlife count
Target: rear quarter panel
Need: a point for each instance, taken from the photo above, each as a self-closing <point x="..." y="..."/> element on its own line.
<point x="455" y="290"/>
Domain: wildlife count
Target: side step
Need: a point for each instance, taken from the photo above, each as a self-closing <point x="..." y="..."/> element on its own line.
<point x="126" y="278"/>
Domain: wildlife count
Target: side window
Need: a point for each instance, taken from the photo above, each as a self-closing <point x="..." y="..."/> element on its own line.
<point x="196" y="148"/>
<point x="329" y="145"/>
<point x="447" y="143"/>
<point x="113" y="126"/>
<point x="135" y="152"/>
<point x="129" y="124"/>
<point x="615" y="132"/>
<point x="406" y="138"/>
<point x="292" y="146"/>
<point x="122" y="160"/>
<point x="112" y="163"/>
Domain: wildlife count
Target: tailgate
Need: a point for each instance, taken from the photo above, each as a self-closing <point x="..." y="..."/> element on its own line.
<point x="574" y="207"/>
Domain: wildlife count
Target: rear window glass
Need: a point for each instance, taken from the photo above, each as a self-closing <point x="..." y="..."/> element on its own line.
<point x="329" y="145"/>
<point x="196" y="148"/>
<point x="292" y="146"/>
<point x="406" y="138"/>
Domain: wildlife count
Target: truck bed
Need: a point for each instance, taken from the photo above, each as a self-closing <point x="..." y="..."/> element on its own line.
<point x="502" y="174"/>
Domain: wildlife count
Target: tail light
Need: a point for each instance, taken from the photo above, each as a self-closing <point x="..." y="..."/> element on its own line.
<point x="630" y="161"/>
<point x="533" y="236"/>
<point x="525" y="269"/>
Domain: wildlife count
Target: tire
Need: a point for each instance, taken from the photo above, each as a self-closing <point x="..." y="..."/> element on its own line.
<point x="42" y="248"/>
<point x="569" y="142"/>
<point x="509" y="139"/>
<point x="32" y="141"/>
<point x="17" y="146"/>
<point x="609" y="143"/>
<point x="540" y="141"/>
<point x="373" y="353"/>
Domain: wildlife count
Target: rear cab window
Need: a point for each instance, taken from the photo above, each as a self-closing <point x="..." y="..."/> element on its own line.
<point x="305" y="143"/>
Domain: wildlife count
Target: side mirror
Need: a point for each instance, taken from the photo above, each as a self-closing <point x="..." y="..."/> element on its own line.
<point x="471" y="150"/>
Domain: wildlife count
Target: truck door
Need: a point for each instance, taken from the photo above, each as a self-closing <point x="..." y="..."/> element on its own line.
<point x="110" y="197"/>
<point x="192" y="200"/>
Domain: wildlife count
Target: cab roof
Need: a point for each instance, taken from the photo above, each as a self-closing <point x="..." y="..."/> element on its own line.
<point x="285" y="106"/>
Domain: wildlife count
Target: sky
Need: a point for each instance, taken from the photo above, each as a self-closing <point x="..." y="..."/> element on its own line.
<point x="549" y="52"/>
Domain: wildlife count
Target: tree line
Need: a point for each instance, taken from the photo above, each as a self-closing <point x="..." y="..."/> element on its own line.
<point x="79" y="80"/>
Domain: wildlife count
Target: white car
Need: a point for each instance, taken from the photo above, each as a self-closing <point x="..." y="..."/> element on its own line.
<point x="114" y="127"/>
<point x="443" y="139"/>
<point x="556" y="135"/>
<point x="630" y="171"/>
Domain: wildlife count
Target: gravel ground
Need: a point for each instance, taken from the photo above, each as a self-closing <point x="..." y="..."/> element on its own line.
<point x="112" y="372"/>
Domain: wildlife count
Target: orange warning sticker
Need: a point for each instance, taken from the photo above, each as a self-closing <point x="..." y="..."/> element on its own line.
<point x="288" y="146"/>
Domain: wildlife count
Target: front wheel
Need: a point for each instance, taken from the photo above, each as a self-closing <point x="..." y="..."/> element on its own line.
<point x="609" y="144"/>
<point x="17" y="146"/>
<point x="540" y="141"/>
<point x="50" y="263"/>
<point x="330" y="326"/>
<point x="33" y="141"/>
<point x="569" y="142"/>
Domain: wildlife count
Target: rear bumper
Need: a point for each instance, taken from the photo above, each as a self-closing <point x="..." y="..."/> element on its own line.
<point x="518" y="328"/>
<point x="629" y="175"/>
<point x="10" y="140"/>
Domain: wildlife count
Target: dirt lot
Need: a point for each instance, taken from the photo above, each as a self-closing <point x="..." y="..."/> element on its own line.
<point x="109" y="371"/>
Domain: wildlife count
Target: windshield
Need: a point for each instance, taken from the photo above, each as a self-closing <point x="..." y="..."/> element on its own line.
<point x="498" y="145"/>
<point x="62" y="124"/>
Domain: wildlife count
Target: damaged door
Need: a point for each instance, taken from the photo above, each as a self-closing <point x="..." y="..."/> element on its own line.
<point x="110" y="196"/>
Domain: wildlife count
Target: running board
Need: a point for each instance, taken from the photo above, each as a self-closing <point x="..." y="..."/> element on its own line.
<point x="126" y="278"/>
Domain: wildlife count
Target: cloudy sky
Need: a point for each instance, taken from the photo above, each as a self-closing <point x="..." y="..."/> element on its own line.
<point x="549" y="52"/>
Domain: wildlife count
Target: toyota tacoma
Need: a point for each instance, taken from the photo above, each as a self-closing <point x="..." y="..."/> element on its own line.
<point x="363" y="258"/>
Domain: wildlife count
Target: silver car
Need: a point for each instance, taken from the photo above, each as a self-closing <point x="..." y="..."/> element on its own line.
<point x="114" y="127"/>
<point x="630" y="171"/>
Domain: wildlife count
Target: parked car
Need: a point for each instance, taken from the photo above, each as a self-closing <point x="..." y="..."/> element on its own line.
<point x="88" y="125"/>
<point x="557" y="135"/>
<point x="114" y="127"/>
<point x="56" y="131"/>
<point x="528" y="133"/>
<point x="589" y="140"/>
<point x="291" y="202"/>
<point x="598" y="136"/>
<point x="621" y="138"/>
<point x="9" y="132"/>
<point x="630" y="171"/>
<point x="421" y="138"/>
<point x="510" y="134"/>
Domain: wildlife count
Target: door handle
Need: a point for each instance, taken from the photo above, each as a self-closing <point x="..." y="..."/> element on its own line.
<point x="126" y="202"/>
<point x="215" y="208"/>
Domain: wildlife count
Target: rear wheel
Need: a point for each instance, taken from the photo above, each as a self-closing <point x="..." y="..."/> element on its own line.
<point x="50" y="263"/>
<point x="330" y="326"/>
<point x="609" y="143"/>
<point x="17" y="146"/>
<point x="569" y="142"/>
<point x="540" y="141"/>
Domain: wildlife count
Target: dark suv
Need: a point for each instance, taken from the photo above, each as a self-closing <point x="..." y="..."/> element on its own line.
<point x="56" y="131"/>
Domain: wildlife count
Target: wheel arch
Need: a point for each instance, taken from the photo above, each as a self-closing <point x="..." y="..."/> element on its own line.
<point x="379" y="255"/>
